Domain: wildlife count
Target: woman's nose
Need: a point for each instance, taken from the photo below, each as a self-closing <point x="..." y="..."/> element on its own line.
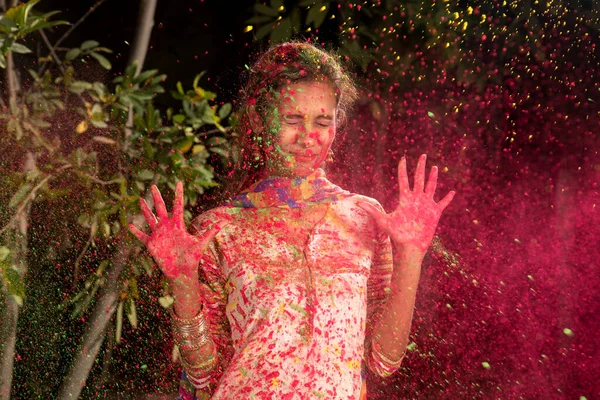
<point x="307" y="137"/>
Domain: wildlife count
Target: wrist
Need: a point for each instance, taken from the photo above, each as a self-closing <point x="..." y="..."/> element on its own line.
<point x="185" y="280"/>
<point x="407" y="252"/>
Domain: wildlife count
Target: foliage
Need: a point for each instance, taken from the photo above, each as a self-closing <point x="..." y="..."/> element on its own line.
<point x="95" y="159"/>
<point x="19" y="22"/>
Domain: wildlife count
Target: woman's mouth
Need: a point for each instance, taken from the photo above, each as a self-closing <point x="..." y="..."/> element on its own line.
<point x="304" y="158"/>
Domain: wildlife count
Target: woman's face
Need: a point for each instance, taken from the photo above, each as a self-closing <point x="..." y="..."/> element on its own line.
<point x="305" y="126"/>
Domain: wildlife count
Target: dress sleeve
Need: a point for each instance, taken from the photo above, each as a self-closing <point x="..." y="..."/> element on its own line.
<point x="215" y="300"/>
<point x="378" y="288"/>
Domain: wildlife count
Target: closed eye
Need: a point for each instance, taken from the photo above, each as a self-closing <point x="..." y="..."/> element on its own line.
<point x="324" y="122"/>
<point x="293" y="119"/>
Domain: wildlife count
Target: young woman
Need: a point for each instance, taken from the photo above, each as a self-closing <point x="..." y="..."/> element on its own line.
<point x="294" y="287"/>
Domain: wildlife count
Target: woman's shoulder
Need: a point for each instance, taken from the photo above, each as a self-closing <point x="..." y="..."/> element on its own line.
<point x="355" y="198"/>
<point x="207" y="218"/>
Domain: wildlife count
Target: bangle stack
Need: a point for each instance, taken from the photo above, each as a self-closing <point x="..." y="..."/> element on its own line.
<point x="383" y="365"/>
<point x="190" y="335"/>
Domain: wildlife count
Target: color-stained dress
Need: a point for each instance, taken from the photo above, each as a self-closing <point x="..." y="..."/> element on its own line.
<point x="292" y="287"/>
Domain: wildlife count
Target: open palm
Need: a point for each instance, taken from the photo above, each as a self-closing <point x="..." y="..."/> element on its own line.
<point x="415" y="219"/>
<point x="174" y="249"/>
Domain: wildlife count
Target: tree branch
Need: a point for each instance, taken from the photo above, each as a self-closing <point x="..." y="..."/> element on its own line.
<point x="67" y="33"/>
<point x="80" y="257"/>
<point x="12" y="85"/>
<point x="142" y="35"/>
<point x="31" y="196"/>
<point x="11" y="75"/>
<point x="96" y="325"/>
<point x="140" y="46"/>
<point x="52" y="52"/>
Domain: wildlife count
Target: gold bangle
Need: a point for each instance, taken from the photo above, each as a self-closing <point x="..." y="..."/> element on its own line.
<point x="386" y="360"/>
<point x="376" y="350"/>
<point x="198" y="319"/>
<point x="189" y="334"/>
<point x="192" y="346"/>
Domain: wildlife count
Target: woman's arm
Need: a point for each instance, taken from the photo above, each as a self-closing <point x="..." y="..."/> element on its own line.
<point x="410" y="227"/>
<point x="187" y="305"/>
<point x="391" y="331"/>
<point x="178" y="254"/>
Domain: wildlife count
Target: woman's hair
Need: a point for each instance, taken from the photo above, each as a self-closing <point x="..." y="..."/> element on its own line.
<point x="281" y="65"/>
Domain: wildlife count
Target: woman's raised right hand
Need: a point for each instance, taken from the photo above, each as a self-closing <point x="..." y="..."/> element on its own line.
<point x="174" y="249"/>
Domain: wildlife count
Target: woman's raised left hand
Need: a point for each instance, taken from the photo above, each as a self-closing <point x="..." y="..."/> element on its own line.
<point x="412" y="224"/>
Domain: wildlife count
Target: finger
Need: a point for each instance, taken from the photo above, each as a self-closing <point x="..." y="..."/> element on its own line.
<point x="443" y="203"/>
<point x="139" y="234"/>
<point x="210" y="233"/>
<point x="403" y="184"/>
<point x="420" y="174"/>
<point x="431" y="182"/>
<point x="178" y="203"/>
<point x="377" y="215"/>
<point x="159" y="203"/>
<point x="148" y="215"/>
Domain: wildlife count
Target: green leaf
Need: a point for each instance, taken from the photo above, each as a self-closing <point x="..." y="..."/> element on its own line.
<point x="225" y="110"/>
<point x="216" y="141"/>
<point x="131" y="312"/>
<point x="264" y="31"/>
<point x="145" y="75"/>
<point x="72" y="54"/>
<point x="14" y="283"/>
<point x="47" y="15"/>
<point x="28" y="7"/>
<point x="147" y="264"/>
<point x="89" y="44"/>
<point x="178" y="118"/>
<point x="262" y="9"/>
<point x="20" y="195"/>
<point x="185" y="145"/>
<point x="79" y="86"/>
<point x="19" y="48"/>
<point x="145" y="175"/>
<point x="130" y="70"/>
<point x="220" y="151"/>
<point x="180" y="88"/>
<point x="295" y="20"/>
<point x="259" y="19"/>
<point x="209" y="116"/>
<point x="7" y="22"/>
<point x="119" y="324"/>
<point x="283" y="31"/>
<point x="315" y="16"/>
<point x="102" y="60"/>
<point x="4" y="252"/>
<point x="40" y="24"/>
<point x="166" y="301"/>
<point x="98" y="123"/>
